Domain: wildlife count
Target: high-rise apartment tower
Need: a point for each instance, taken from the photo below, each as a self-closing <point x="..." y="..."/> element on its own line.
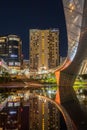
<point x="44" y="49"/>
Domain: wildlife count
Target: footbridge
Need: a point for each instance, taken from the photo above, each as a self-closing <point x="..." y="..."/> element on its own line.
<point x="76" y="25"/>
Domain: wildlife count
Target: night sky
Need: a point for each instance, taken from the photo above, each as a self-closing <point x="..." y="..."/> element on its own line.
<point x="18" y="16"/>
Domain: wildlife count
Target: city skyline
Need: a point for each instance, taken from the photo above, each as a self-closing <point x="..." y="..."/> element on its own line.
<point x="56" y="99"/>
<point x="17" y="17"/>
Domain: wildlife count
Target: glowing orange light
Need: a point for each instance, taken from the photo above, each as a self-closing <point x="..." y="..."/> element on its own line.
<point x="57" y="99"/>
<point x="71" y="6"/>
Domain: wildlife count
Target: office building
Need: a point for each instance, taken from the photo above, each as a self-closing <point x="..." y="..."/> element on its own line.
<point x="43" y="115"/>
<point x="11" y="50"/>
<point x="3" y="48"/>
<point x="44" y="49"/>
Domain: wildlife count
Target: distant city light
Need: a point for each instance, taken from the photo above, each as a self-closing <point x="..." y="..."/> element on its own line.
<point x="12" y="112"/>
<point x="14" y="55"/>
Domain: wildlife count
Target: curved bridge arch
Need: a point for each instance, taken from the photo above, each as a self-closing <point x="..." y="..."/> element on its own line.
<point x="76" y="23"/>
<point x="68" y="121"/>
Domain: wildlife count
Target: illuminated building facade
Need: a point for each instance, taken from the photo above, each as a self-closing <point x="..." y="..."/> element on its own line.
<point x="3" y="48"/>
<point x="11" y="50"/>
<point x="44" y="49"/>
<point x="15" y="51"/>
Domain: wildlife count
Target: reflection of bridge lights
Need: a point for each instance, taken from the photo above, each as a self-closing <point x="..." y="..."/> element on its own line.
<point x="71" y="6"/>
<point x="44" y="100"/>
<point x="62" y="110"/>
<point x="13" y="112"/>
<point x="49" y="91"/>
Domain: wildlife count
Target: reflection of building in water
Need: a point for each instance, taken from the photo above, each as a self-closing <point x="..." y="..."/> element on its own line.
<point x="43" y="115"/>
<point x="44" y="49"/>
<point x="10" y="50"/>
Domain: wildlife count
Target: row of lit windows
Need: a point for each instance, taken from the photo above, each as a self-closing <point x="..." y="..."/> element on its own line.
<point x="4" y="45"/>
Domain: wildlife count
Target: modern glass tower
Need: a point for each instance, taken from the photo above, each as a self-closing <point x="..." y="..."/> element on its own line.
<point x="14" y="51"/>
<point x="11" y="50"/>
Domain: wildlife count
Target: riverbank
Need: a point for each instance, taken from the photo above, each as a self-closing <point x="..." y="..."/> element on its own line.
<point x="13" y="84"/>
